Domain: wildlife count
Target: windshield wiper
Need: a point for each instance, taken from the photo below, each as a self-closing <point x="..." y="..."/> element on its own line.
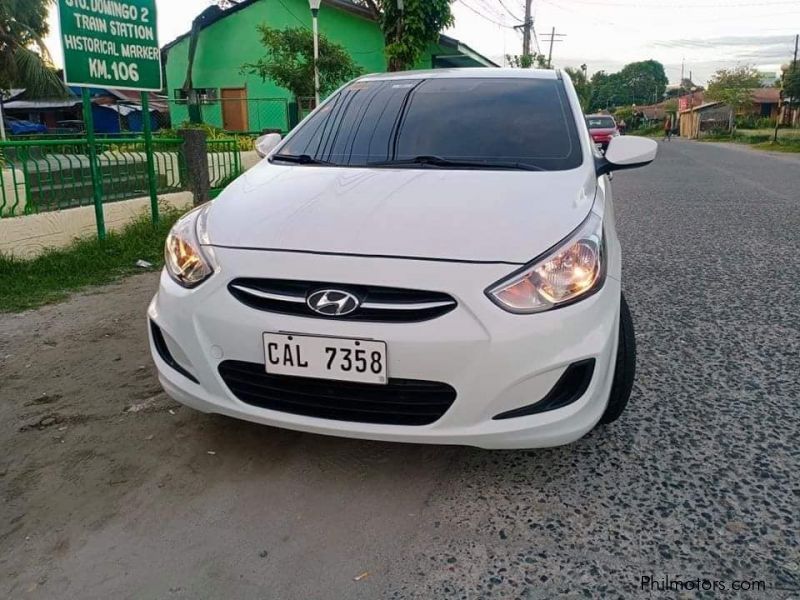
<point x="439" y="161"/>
<point x="300" y="159"/>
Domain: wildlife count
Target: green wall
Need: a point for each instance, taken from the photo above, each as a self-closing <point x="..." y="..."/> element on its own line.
<point x="224" y="46"/>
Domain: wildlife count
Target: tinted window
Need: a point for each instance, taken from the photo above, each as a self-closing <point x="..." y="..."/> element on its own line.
<point x="491" y="120"/>
<point x="600" y="123"/>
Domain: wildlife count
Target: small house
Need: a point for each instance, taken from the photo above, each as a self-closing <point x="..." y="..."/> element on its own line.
<point x="708" y="116"/>
<point x="226" y="39"/>
<point x="766" y="102"/>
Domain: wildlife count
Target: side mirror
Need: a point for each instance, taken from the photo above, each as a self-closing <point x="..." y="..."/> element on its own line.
<point x="627" y="152"/>
<point x="266" y="143"/>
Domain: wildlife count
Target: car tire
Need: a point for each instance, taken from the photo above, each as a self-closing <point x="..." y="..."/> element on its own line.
<point x="625" y="369"/>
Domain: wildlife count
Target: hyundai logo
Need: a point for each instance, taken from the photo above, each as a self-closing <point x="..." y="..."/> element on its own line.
<point x="332" y="303"/>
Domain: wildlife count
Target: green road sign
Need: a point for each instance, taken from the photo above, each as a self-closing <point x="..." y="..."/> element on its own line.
<point x="110" y="43"/>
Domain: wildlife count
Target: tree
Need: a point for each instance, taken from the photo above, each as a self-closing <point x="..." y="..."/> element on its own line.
<point x="645" y="81"/>
<point x="193" y="104"/>
<point x="521" y="61"/>
<point x="606" y="90"/>
<point x="734" y="88"/>
<point x="289" y="61"/>
<point x="642" y="82"/>
<point x="408" y="32"/>
<point x="790" y="82"/>
<point x="24" y="60"/>
<point x="583" y="86"/>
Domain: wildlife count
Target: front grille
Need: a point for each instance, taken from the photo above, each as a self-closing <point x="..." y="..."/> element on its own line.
<point x="377" y="304"/>
<point x="400" y="402"/>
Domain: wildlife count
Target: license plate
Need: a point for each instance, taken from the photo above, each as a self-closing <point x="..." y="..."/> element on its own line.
<point x="325" y="357"/>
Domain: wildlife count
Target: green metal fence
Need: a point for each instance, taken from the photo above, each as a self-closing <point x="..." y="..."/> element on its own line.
<point x="224" y="163"/>
<point x="48" y="174"/>
<point x="45" y="175"/>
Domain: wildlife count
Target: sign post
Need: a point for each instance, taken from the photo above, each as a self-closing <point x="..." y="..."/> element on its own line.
<point x="147" y="128"/>
<point x="94" y="167"/>
<point x="112" y="44"/>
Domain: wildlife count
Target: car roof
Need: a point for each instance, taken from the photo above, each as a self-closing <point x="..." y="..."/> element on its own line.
<point x="471" y="73"/>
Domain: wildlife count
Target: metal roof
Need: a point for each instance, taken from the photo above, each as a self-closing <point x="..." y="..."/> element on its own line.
<point x="41" y="104"/>
<point x="701" y="107"/>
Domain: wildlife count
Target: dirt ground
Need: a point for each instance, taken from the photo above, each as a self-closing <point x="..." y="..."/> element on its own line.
<point x="108" y="489"/>
<point x="112" y="489"/>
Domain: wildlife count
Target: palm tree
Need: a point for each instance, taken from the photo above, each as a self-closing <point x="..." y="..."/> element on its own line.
<point x="24" y="59"/>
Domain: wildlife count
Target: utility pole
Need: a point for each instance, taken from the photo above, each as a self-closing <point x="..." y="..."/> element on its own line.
<point x="527" y="26"/>
<point x="553" y="39"/>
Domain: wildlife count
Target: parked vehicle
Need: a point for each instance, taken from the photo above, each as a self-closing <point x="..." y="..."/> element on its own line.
<point x="602" y="128"/>
<point x="22" y="127"/>
<point x="428" y="257"/>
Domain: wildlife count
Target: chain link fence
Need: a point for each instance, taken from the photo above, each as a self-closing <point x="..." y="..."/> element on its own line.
<point x="235" y="115"/>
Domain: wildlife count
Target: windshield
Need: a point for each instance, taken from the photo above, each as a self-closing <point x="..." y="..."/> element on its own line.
<point x="600" y="123"/>
<point x="474" y="122"/>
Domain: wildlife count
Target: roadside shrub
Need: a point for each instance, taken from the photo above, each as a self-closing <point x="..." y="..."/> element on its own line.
<point x="752" y="137"/>
<point x="245" y="142"/>
<point x="754" y="122"/>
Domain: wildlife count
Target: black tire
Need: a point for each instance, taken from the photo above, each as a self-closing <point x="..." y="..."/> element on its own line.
<point x="625" y="369"/>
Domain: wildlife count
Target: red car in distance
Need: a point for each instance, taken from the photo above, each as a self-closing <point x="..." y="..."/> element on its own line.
<point x="602" y="128"/>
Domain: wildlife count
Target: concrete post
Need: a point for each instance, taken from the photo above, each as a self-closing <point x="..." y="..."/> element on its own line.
<point x="195" y="155"/>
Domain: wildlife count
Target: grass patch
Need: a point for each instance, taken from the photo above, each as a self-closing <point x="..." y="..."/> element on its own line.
<point x="779" y="146"/>
<point x="654" y="131"/>
<point x="55" y="274"/>
<point x="759" y="139"/>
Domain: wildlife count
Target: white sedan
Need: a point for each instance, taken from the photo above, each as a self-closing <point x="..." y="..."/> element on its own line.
<point x="428" y="257"/>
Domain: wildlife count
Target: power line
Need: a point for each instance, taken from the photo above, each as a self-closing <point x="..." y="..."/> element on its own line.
<point x="487" y="7"/>
<point x="508" y="10"/>
<point x="483" y="16"/>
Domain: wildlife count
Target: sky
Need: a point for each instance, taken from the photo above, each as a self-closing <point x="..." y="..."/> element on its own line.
<point x="704" y="35"/>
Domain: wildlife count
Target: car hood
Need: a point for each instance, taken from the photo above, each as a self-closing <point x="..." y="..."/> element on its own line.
<point x="491" y="216"/>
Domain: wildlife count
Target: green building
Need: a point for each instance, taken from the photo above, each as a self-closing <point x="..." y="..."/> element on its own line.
<point x="226" y="39"/>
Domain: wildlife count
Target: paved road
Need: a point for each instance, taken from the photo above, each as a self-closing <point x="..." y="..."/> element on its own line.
<point x="109" y="489"/>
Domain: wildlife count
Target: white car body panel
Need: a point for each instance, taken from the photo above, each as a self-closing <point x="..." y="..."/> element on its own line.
<point x="456" y="215"/>
<point x="440" y="230"/>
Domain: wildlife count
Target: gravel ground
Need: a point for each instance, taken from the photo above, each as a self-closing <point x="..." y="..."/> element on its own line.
<point x="110" y="489"/>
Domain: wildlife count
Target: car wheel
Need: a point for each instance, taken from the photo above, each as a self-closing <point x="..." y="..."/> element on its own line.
<point x="625" y="368"/>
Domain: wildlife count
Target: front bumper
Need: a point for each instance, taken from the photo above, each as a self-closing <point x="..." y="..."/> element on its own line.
<point x="495" y="360"/>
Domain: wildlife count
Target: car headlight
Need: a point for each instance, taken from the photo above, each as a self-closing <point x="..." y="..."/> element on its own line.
<point x="572" y="270"/>
<point x="186" y="261"/>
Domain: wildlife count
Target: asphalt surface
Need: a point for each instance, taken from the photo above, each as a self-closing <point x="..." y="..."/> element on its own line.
<point x="698" y="479"/>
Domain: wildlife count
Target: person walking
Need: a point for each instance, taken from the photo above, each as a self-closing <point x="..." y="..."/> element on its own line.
<point x="668" y="128"/>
